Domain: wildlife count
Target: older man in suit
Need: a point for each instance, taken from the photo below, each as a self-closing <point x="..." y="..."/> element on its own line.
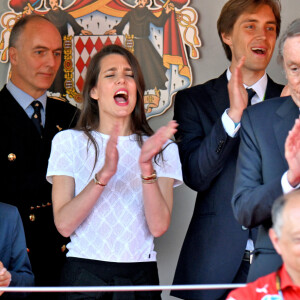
<point x="15" y="269"/>
<point x="269" y="157"/>
<point x="283" y="283"/>
<point x="216" y="248"/>
<point x="28" y="121"/>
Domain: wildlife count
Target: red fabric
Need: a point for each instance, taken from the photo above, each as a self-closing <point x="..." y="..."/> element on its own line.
<point x="173" y="45"/>
<point x="266" y="286"/>
<point x="79" y="4"/>
<point x="178" y="3"/>
<point x="172" y="39"/>
<point x="18" y="5"/>
<point x="115" y="4"/>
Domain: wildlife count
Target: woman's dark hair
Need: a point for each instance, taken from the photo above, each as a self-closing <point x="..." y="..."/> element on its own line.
<point x="89" y="117"/>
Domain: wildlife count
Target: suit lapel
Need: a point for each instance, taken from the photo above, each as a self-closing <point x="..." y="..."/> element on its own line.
<point x="51" y="125"/>
<point x="13" y="113"/>
<point x="284" y="120"/>
<point x="219" y="94"/>
<point x="273" y="89"/>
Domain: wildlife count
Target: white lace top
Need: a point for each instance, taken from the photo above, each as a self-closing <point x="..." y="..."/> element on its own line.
<point x="116" y="229"/>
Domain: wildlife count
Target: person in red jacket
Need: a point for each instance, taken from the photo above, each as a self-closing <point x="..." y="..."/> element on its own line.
<point x="285" y="236"/>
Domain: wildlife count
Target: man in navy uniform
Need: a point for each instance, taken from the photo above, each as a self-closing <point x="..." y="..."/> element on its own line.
<point x="28" y="121"/>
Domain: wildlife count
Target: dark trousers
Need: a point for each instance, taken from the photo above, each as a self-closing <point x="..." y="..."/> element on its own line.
<point x="240" y="277"/>
<point x="86" y="272"/>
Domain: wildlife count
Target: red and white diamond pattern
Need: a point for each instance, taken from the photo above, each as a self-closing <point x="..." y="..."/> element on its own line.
<point x="84" y="48"/>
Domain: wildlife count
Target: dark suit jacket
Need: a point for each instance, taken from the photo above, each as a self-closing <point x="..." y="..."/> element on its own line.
<point x="23" y="179"/>
<point x="13" y="252"/>
<point x="261" y="164"/>
<point x="215" y="243"/>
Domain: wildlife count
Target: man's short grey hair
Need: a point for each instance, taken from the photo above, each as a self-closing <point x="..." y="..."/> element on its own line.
<point x="292" y="30"/>
<point x="277" y="210"/>
<point x="19" y="28"/>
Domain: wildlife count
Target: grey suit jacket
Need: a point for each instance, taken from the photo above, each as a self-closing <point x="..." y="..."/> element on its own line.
<point x="260" y="166"/>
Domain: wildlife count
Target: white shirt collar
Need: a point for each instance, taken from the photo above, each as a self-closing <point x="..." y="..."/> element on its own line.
<point x="259" y="87"/>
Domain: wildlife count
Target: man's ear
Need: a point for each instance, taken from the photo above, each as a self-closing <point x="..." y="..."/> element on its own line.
<point x="275" y="240"/>
<point x="13" y="55"/>
<point x="226" y="38"/>
<point x="94" y="93"/>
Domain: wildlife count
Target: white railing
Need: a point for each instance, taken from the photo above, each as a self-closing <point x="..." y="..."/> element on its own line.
<point x="122" y="288"/>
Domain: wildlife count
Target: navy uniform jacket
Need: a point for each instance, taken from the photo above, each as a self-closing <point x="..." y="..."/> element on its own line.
<point x="13" y="251"/>
<point x="215" y="242"/>
<point x="23" y="164"/>
<point x="261" y="164"/>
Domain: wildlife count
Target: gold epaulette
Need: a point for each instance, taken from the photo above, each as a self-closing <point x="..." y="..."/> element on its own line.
<point x="58" y="98"/>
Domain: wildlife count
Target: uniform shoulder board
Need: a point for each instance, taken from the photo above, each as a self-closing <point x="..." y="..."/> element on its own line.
<point x="58" y="98"/>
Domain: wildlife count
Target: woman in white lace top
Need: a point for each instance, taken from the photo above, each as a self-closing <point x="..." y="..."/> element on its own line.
<point x="112" y="182"/>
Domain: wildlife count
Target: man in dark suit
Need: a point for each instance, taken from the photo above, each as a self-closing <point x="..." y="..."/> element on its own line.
<point x="216" y="248"/>
<point x="35" y="50"/>
<point x="269" y="156"/>
<point x="15" y="269"/>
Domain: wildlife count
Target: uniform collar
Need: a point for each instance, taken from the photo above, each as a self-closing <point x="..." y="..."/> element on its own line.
<point x="23" y="98"/>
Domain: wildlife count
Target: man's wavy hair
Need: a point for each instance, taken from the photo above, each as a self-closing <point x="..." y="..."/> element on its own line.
<point x="234" y="8"/>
